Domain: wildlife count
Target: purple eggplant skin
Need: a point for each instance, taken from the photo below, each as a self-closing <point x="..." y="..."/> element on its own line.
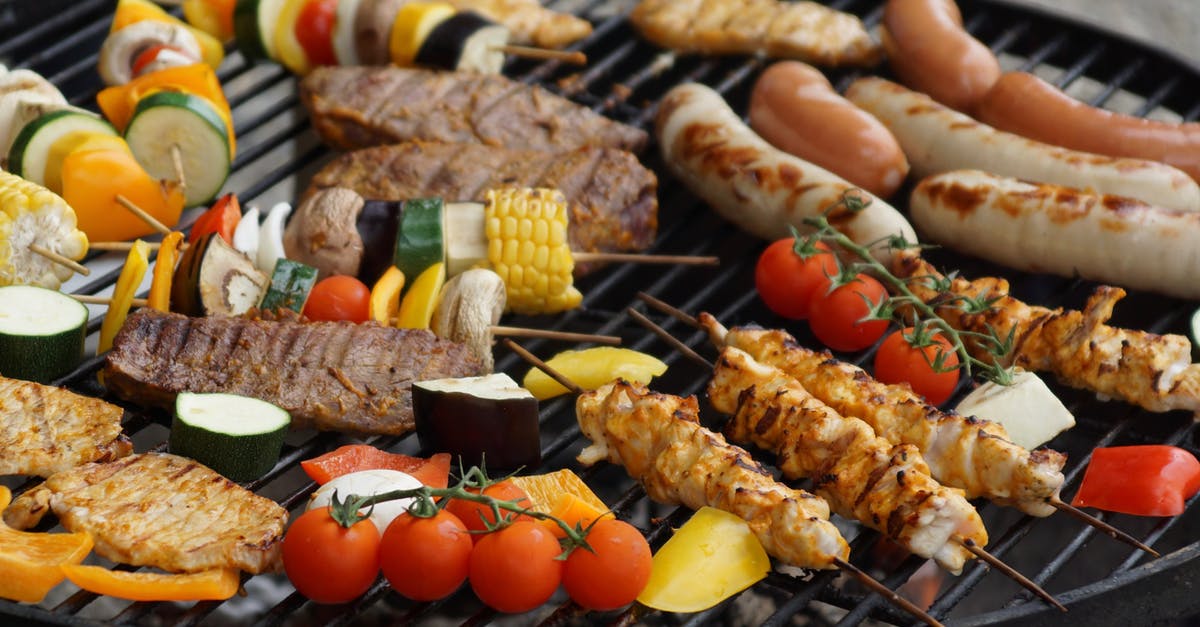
<point x="502" y="433"/>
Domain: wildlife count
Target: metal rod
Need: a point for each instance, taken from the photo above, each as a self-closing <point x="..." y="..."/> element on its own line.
<point x="1012" y="573"/>
<point x="887" y="593"/>
<point x="1101" y="525"/>
<point x="541" y="365"/>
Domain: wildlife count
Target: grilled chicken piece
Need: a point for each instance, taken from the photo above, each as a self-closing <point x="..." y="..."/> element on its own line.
<point x="333" y="376"/>
<point x="160" y="510"/>
<point x="530" y="22"/>
<point x="356" y="107"/>
<point x="795" y="30"/>
<point x="44" y="429"/>
<point x="612" y="197"/>
<point x="962" y="452"/>
<point x="1152" y="371"/>
<point x="864" y="477"/>
<point x="659" y="441"/>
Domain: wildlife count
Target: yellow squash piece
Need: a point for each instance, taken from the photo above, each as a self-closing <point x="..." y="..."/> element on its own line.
<point x="385" y="296"/>
<point x="414" y="21"/>
<point x="31" y="214"/>
<point x="209" y="585"/>
<point x="92" y="178"/>
<point x="164" y="272"/>
<point x="712" y="557"/>
<point x="527" y="246"/>
<point x="591" y="368"/>
<point x="31" y="563"/>
<point x="287" y="47"/>
<point x="128" y="281"/>
<point x="416" y="310"/>
<point x="130" y="11"/>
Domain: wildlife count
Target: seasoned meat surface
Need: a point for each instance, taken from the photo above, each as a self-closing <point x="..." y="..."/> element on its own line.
<point x="331" y="376"/>
<point x="44" y="429"/>
<point x="160" y="510"/>
<point x="356" y="107"/>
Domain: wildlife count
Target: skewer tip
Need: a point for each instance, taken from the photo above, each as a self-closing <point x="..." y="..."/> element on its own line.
<point x="1108" y="529"/>
<point x="1011" y="572"/>
<point x="887" y="593"/>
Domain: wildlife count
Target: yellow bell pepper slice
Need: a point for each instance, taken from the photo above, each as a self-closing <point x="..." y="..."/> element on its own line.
<point x="212" y="50"/>
<point x="30" y="563"/>
<point x="214" y="17"/>
<point x="92" y="179"/>
<point x="591" y="368"/>
<point x="288" y="50"/>
<point x="210" y="585"/>
<point x="564" y="495"/>
<point x="385" y="296"/>
<point x="164" y="271"/>
<point x="128" y="281"/>
<point x="416" y="310"/>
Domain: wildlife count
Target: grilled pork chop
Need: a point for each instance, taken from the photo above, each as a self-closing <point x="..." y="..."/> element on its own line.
<point x="160" y="510"/>
<point x="44" y="429"/>
<point x="333" y="376"/>
<point x="356" y="107"/>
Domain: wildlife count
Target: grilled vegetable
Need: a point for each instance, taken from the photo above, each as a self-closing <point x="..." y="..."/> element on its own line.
<point x="237" y="436"/>
<point x="270" y="237"/>
<point x="385" y="296"/>
<point x="414" y="23"/>
<point x="245" y="234"/>
<point x="19" y="91"/>
<point x="593" y="367"/>
<point x="222" y="218"/>
<point x="466" y="240"/>
<point x="164" y="271"/>
<point x="1147" y="480"/>
<point x="39" y="149"/>
<point x="32" y="562"/>
<point x="527" y="246"/>
<point x="30" y="214"/>
<point x="433" y="471"/>
<point x="41" y="333"/>
<point x="488" y="419"/>
<point x="254" y="26"/>
<point x="214" y="17"/>
<point x="291" y="283"/>
<point x="314" y="31"/>
<point x="464" y="42"/>
<point x="208" y="585"/>
<point x="367" y="483"/>
<point x="136" y="263"/>
<point x="416" y="310"/>
<point x="128" y="12"/>
<point x="331" y="227"/>
<point x="214" y="279"/>
<point x="1031" y="413"/>
<point x="344" y="49"/>
<point x="159" y="57"/>
<point x="122" y="47"/>
<point x="564" y="495"/>
<point x="166" y="124"/>
<point x="339" y="298"/>
<point x="421" y="240"/>
<point x="469" y="305"/>
<point x="103" y="167"/>
<point x="288" y="51"/>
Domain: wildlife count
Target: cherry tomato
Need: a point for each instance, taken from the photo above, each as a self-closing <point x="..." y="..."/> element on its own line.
<point x="339" y="297"/>
<point x="314" y="31"/>
<point x="615" y="573"/>
<point x="327" y="562"/>
<point x="898" y="362"/>
<point x="222" y="218"/>
<point x="474" y="515"/>
<point x="516" y="568"/>
<point x="835" y="316"/>
<point x="787" y="283"/>
<point x="425" y="559"/>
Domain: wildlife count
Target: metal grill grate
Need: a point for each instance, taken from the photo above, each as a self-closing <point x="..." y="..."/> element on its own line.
<point x="1103" y="582"/>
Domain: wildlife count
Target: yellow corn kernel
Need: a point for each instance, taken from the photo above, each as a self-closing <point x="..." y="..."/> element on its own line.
<point x="30" y="214"/>
<point x="527" y="247"/>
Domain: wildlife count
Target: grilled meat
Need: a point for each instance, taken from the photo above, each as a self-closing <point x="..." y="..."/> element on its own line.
<point x="160" y="510"/>
<point x="613" y="199"/>
<point x="659" y="441"/>
<point x="797" y="30"/>
<point x="530" y="22"/>
<point x="44" y="429"/>
<point x="329" y="375"/>
<point x="356" y="107"/>
<point x="967" y="453"/>
<point x="864" y="477"/>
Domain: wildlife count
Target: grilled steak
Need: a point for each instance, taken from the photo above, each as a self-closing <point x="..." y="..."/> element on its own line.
<point x="329" y="375"/>
<point x="613" y="200"/>
<point x="356" y="107"/>
<point x="44" y="429"/>
<point x="160" y="510"/>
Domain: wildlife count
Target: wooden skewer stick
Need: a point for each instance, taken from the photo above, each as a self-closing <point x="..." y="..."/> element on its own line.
<point x="142" y="215"/>
<point x="995" y="562"/>
<point x="118" y="246"/>
<point x="670" y="310"/>
<point x="177" y="161"/>
<point x="105" y="300"/>
<point x="543" y="366"/>
<point x="75" y="266"/>
<point x="566" y="336"/>
<point x="573" y="57"/>
<point x="675" y="342"/>
<point x="1101" y="525"/>
<point x="677" y="260"/>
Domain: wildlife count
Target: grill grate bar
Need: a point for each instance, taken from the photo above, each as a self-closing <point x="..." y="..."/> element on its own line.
<point x="1045" y="51"/>
<point x="42" y="31"/>
<point x="1081" y="65"/>
<point x="1118" y="81"/>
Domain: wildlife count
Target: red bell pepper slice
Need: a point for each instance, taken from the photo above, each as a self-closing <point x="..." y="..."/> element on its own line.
<point x="433" y="472"/>
<point x="1146" y="480"/>
<point x="314" y="31"/>
<point x="222" y="218"/>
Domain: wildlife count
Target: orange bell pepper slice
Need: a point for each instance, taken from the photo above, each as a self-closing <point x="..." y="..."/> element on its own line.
<point x="31" y="563"/>
<point x="93" y="178"/>
<point x="129" y="11"/>
<point x="210" y="585"/>
<point x="385" y="296"/>
<point x="118" y="102"/>
<point x="164" y="272"/>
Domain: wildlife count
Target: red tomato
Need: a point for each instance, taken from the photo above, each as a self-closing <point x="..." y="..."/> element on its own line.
<point x="339" y="297"/>
<point x="222" y="218"/>
<point x="516" y="568"/>
<point x="327" y="562"/>
<point x="314" y="31"/>
<point x="425" y="559"/>
<point x="1144" y="480"/>
<point x="898" y="362"/>
<point x="474" y="515"/>
<point x="835" y="316"/>
<point x="787" y="283"/>
<point x="615" y="573"/>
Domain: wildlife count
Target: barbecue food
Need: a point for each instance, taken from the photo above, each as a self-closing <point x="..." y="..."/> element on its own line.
<point x="329" y="375"/>
<point x="530" y="22"/>
<point x="659" y="441"/>
<point x="864" y="477"/>
<point x="356" y="107"/>
<point x="160" y="510"/>
<point x="44" y="429"/>
<point x="973" y="455"/>
<point x="612" y="198"/>
<point x="797" y="30"/>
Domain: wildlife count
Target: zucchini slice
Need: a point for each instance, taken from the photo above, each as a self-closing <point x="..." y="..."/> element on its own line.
<point x="420" y="242"/>
<point x="41" y="333"/>
<point x="291" y="282"/>
<point x="169" y="119"/>
<point x="43" y="143"/>
<point x="237" y="436"/>
<point x="254" y="25"/>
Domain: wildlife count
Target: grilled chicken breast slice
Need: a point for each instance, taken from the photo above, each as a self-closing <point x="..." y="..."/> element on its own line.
<point x="160" y="510"/>
<point x="44" y="429"/>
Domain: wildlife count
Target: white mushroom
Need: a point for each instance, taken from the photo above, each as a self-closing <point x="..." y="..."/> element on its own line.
<point x="122" y="47"/>
<point x="470" y="305"/>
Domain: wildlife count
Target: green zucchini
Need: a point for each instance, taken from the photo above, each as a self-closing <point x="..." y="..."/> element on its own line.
<point x="237" y="436"/>
<point x="170" y="120"/>
<point x="254" y="24"/>
<point x="420" y="242"/>
<point x="41" y="333"/>
<point x="290" y="284"/>
<point x="31" y="150"/>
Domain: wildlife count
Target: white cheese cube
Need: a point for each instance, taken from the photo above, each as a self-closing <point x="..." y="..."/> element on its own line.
<point x="1030" y="412"/>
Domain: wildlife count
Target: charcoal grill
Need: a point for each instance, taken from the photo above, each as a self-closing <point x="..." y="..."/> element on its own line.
<point x="1101" y="581"/>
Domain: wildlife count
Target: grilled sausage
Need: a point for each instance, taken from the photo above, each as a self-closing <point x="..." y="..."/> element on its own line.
<point x="930" y="51"/>
<point x="794" y="107"/>
<point x="938" y="139"/>
<point x="756" y="186"/>
<point x="1049" y="228"/>
<point x="1024" y="104"/>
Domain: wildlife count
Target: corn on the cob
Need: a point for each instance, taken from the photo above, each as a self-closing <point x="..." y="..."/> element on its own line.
<point x="33" y="215"/>
<point x="527" y="246"/>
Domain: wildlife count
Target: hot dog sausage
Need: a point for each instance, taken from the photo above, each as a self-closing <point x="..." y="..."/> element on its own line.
<point x="1049" y="228"/>
<point x="751" y="183"/>
<point x="938" y="139"/>
<point x="930" y="51"/>
<point x="1024" y="104"/>
<point x="794" y="107"/>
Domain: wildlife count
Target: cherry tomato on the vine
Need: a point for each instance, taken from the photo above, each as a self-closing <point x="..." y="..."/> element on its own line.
<point x="516" y="568"/>
<point x="474" y="515"/>
<point x="337" y="298"/>
<point x="615" y="573"/>
<point x="898" y="361"/>
<point x="327" y="562"/>
<point x="835" y="316"/>
<point x="425" y="559"/>
<point x="787" y="283"/>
